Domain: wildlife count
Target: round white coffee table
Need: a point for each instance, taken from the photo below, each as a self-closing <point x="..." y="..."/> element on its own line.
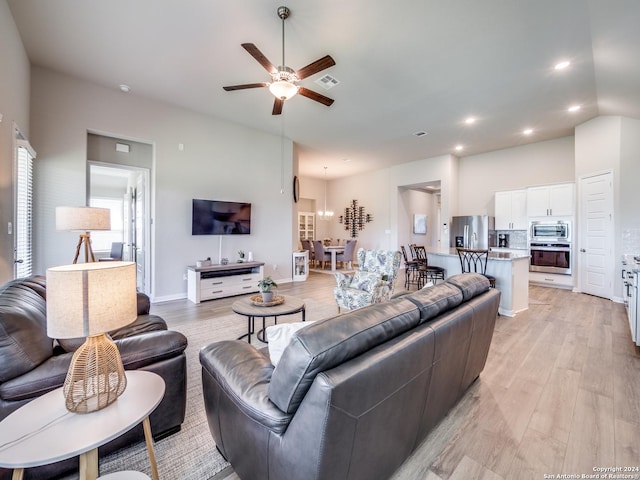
<point x="246" y="307"/>
<point x="43" y="431"/>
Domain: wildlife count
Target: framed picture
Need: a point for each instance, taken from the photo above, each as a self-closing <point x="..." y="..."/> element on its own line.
<point x="419" y="224"/>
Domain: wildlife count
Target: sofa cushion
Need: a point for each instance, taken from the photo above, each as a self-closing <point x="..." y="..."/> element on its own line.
<point x="23" y="341"/>
<point x="470" y="284"/>
<point x="435" y="300"/>
<point x="330" y="342"/>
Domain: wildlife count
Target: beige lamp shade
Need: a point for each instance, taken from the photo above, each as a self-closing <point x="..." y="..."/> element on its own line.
<point x="87" y="299"/>
<point x="84" y="219"/>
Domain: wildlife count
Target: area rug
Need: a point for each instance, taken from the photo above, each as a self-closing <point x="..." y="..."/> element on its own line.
<point x="191" y="454"/>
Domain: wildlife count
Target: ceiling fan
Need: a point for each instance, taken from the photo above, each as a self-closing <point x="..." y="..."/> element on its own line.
<point x="284" y="80"/>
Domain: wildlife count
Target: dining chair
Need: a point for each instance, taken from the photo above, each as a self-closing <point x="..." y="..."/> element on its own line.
<point x="347" y="254"/>
<point x="319" y="254"/>
<point x="472" y="260"/>
<point x="306" y="245"/>
<point x="115" y="255"/>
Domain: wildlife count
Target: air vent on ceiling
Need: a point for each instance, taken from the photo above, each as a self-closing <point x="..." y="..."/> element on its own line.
<point x="327" y="82"/>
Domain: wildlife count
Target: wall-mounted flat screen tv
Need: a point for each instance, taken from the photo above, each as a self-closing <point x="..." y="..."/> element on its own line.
<point x="214" y="217"/>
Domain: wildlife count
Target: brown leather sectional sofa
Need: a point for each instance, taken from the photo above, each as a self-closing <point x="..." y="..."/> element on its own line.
<point x="354" y="395"/>
<point x="32" y="364"/>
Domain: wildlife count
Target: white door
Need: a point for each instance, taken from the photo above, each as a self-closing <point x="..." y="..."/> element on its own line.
<point x="596" y="235"/>
<point x="140" y="230"/>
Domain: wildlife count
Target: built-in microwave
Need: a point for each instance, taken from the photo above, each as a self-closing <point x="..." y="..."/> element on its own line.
<point x="546" y="231"/>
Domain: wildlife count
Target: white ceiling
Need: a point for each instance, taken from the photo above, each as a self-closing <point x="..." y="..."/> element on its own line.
<point x="404" y="67"/>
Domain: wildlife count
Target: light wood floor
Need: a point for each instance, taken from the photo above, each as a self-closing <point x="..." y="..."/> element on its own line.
<point x="560" y="393"/>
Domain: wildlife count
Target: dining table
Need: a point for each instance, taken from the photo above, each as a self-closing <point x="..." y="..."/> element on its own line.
<point x="334" y="250"/>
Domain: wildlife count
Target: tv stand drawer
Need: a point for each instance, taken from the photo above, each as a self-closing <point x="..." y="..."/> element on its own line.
<point x="221" y="281"/>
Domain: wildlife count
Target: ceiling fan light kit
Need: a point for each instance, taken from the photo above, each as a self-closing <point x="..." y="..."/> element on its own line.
<point x="284" y="80"/>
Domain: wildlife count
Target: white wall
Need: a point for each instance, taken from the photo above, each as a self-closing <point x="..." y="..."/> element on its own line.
<point x="220" y="161"/>
<point x="14" y="107"/>
<point x="512" y="169"/>
<point x="467" y="188"/>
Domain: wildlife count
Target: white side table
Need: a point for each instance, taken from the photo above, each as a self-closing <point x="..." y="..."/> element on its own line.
<point x="43" y="431"/>
<point x="128" y="475"/>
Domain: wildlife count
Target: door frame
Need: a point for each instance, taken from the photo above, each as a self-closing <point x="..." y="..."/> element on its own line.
<point x="147" y="221"/>
<point x="609" y="260"/>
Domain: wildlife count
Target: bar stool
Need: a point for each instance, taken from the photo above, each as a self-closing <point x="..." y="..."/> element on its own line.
<point x="427" y="272"/>
<point x="475" y="261"/>
<point x="410" y="270"/>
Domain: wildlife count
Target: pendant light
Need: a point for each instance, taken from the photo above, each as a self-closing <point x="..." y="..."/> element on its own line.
<point x="325" y="214"/>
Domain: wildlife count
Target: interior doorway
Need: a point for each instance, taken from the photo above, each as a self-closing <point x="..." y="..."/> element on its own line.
<point x="125" y="191"/>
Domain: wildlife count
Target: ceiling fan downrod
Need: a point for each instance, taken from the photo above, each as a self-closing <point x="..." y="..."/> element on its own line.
<point x="283" y="13"/>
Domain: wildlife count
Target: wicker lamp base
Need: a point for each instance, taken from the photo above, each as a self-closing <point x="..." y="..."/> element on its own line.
<point x="96" y="376"/>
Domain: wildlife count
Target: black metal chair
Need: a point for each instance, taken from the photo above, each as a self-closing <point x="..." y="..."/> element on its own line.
<point x="410" y="270"/>
<point x="475" y="261"/>
<point x="427" y="272"/>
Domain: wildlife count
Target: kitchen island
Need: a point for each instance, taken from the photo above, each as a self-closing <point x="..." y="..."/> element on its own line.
<point x="510" y="269"/>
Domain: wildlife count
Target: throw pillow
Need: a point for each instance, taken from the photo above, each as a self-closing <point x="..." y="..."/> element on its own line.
<point x="364" y="280"/>
<point x="279" y="337"/>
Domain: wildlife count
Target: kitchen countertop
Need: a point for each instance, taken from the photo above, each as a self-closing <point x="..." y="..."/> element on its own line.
<point x="493" y="255"/>
<point x="630" y="261"/>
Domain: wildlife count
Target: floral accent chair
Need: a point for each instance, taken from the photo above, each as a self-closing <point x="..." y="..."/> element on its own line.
<point x="371" y="283"/>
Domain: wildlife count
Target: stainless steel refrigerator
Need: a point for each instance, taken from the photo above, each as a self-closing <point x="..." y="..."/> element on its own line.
<point x="473" y="231"/>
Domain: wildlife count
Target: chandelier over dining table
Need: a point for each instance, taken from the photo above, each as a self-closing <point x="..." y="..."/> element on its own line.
<point x="354" y="218"/>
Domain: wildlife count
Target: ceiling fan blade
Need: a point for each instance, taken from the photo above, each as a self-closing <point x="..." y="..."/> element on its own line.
<point x="305" y="92"/>
<point x="246" y="85"/>
<point x="259" y="56"/>
<point x="315" y="67"/>
<point x="277" y="106"/>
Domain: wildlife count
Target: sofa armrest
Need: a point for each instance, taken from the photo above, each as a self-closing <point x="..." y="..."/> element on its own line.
<point x="243" y="374"/>
<point x="136" y="352"/>
<point x="144" y="304"/>
<point x="142" y="350"/>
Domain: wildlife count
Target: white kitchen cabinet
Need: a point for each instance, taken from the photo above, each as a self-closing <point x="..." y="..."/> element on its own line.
<point x="511" y="210"/>
<point x="551" y="200"/>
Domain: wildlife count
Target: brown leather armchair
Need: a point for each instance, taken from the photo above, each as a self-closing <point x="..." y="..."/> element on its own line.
<point x="34" y="364"/>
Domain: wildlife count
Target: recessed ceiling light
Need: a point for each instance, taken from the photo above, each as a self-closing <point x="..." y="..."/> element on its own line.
<point x="527" y="131"/>
<point x="125" y="88"/>
<point x="562" y="65"/>
<point x="459" y="148"/>
<point x="573" y="108"/>
<point x="469" y="120"/>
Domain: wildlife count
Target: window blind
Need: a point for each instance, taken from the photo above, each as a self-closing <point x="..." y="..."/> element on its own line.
<point x="24" y="209"/>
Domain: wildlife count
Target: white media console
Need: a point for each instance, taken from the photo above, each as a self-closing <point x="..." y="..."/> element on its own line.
<point x="218" y="281"/>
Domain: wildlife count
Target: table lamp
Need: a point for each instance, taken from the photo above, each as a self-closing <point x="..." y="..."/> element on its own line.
<point x="83" y="219"/>
<point x="89" y="300"/>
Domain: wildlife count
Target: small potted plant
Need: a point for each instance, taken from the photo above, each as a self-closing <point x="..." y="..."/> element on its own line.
<point x="240" y="256"/>
<point x="265" y="285"/>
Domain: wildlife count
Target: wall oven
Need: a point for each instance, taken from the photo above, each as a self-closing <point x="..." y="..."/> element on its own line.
<point x="550" y="257"/>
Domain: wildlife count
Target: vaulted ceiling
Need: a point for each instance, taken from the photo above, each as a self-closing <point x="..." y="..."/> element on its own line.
<point x="404" y="67"/>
